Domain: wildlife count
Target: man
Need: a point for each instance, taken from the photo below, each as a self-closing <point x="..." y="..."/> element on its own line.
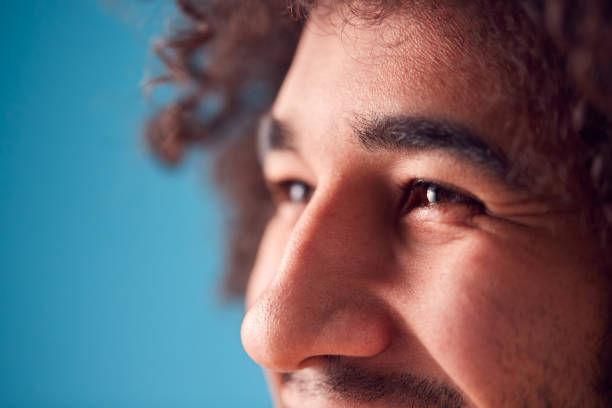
<point x="438" y="234"/>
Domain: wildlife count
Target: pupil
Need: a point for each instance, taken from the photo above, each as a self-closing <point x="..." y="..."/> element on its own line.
<point x="297" y="192"/>
<point x="432" y="195"/>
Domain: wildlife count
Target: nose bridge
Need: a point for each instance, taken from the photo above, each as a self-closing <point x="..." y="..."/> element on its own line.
<point x="318" y="302"/>
<point x="333" y="245"/>
<point x="326" y="233"/>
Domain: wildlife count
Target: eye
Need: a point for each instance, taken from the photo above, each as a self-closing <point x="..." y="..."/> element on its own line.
<point x="423" y="193"/>
<point x="291" y="192"/>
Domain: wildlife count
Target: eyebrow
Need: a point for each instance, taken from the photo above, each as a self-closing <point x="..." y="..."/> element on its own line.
<point x="272" y="135"/>
<point x="402" y="134"/>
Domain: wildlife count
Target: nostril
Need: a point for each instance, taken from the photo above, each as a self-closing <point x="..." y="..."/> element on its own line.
<point x="314" y="361"/>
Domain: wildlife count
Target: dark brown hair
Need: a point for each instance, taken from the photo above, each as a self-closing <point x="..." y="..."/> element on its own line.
<point x="230" y="56"/>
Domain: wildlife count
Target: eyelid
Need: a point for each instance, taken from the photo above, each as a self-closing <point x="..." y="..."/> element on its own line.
<point x="443" y="185"/>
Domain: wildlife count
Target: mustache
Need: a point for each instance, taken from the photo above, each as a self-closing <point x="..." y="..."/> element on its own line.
<point x="339" y="378"/>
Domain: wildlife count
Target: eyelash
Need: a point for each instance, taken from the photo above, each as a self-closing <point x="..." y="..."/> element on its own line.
<point x="421" y="193"/>
<point x="417" y="194"/>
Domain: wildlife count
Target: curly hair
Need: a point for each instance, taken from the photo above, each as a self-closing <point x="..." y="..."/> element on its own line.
<point x="230" y="57"/>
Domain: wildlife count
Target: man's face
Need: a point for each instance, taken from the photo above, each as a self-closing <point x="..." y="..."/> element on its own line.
<point x="403" y="267"/>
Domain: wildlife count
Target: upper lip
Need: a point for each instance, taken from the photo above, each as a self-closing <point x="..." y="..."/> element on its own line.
<point x="340" y="380"/>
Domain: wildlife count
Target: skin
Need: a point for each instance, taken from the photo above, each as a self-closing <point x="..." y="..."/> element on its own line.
<point x="502" y="302"/>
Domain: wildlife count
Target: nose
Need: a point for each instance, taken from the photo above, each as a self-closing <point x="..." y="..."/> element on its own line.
<point x="324" y="298"/>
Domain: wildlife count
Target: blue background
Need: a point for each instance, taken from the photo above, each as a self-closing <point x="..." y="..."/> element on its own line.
<point x="110" y="264"/>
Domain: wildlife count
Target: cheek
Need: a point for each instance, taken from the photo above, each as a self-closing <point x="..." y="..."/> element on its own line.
<point x="467" y="315"/>
<point x="496" y="314"/>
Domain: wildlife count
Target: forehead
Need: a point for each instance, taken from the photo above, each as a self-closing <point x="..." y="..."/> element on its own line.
<point x="422" y="62"/>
